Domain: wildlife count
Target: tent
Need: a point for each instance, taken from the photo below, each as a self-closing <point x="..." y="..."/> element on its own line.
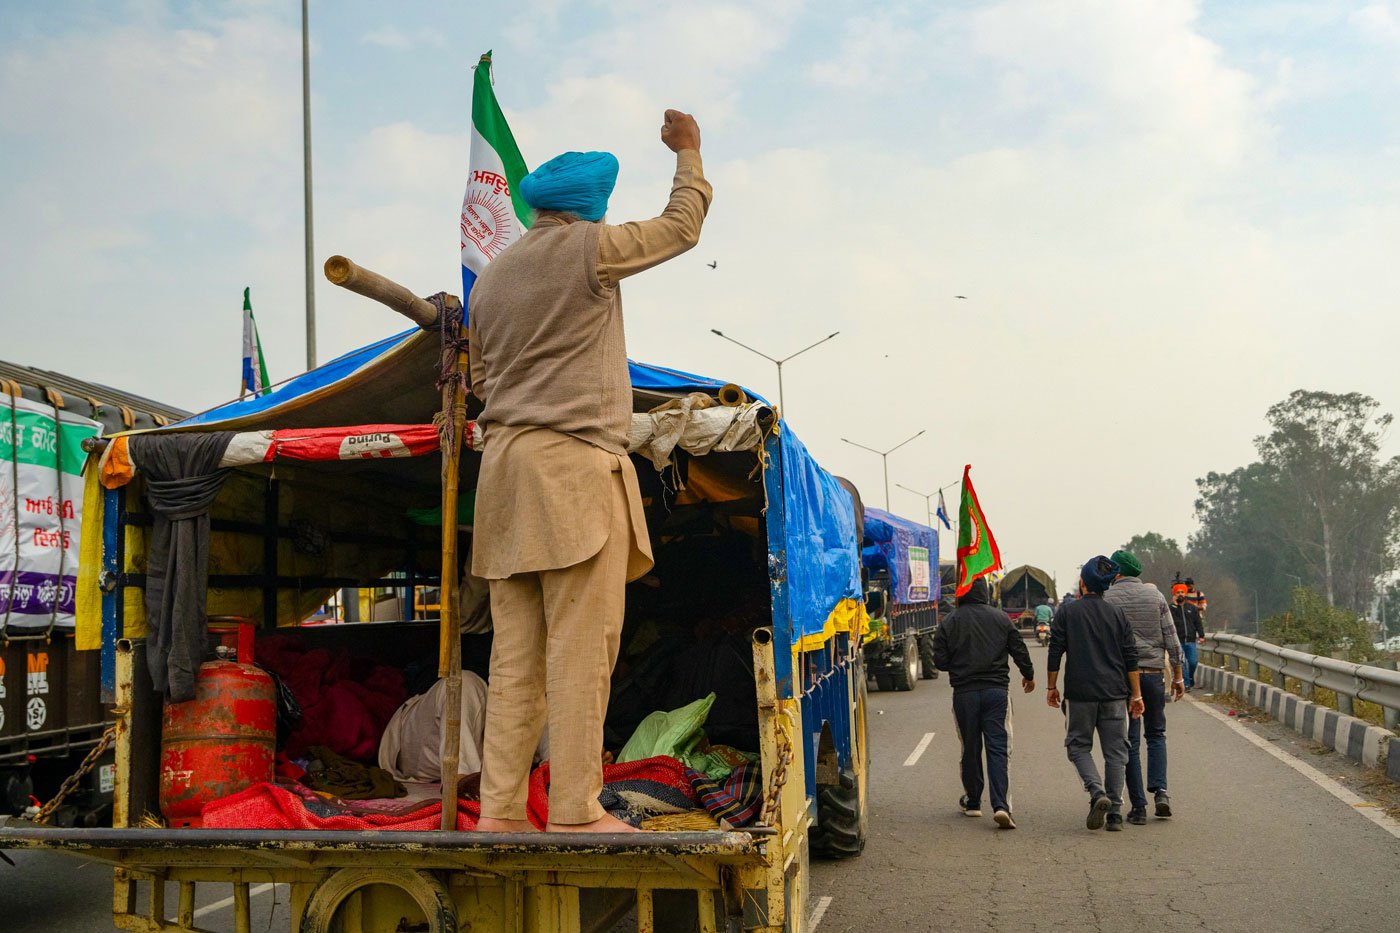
<point x="1025" y="587"/>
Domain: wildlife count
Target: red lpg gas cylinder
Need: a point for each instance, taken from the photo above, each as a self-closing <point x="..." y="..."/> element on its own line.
<point x="221" y="742"/>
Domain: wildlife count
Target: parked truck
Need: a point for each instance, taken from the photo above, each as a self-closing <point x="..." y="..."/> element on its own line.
<point x="51" y="710"/>
<point x="1023" y="588"/>
<point x="902" y="596"/>
<point x="755" y="598"/>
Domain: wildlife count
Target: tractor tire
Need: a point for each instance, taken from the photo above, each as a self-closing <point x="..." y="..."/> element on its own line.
<point x="906" y="675"/>
<point x="927" y="670"/>
<point x="839" y="831"/>
<point x="884" y="681"/>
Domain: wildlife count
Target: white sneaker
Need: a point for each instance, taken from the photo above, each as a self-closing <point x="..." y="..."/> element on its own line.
<point x="1004" y="820"/>
<point x="966" y="808"/>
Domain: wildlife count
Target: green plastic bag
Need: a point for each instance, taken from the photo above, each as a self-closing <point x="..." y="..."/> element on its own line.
<point x="676" y="733"/>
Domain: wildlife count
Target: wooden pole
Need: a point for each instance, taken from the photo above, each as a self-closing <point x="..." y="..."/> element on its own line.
<point x="341" y="271"/>
<point x="454" y="410"/>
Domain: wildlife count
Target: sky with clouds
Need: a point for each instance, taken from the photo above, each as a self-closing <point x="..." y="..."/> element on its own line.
<point x="1165" y="215"/>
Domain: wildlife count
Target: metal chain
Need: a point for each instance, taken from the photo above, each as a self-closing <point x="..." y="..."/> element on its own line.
<point x="102" y="745"/>
<point x="772" y="801"/>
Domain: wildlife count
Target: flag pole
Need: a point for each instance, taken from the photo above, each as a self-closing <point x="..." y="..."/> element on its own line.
<point x="306" y="188"/>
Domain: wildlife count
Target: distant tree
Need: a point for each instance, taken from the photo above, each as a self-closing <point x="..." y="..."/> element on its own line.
<point x="1311" y="619"/>
<point x="1320" y="507"/>
<point x="1326" y="450"/>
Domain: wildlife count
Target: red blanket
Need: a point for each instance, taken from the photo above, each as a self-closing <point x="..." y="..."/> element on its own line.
<point x="267" y="806"/>
<point x="654" y="784"/>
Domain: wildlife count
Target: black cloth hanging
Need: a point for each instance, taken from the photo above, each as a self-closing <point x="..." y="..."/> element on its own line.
<point x="182" y="480"/>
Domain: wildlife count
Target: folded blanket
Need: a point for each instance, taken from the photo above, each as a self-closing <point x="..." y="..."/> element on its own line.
<point x="737" y="800"/>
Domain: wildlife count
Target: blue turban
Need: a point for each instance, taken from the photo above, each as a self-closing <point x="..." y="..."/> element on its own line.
<point x="576" y="182"/>
<point x="1098" y="574"/>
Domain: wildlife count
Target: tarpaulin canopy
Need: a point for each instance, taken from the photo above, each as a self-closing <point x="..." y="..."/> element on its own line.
<point x="395" y="378"/>
<point x="907" y="549"/>
<point x="1026" y="581"/>
<point x="392" y="382"/>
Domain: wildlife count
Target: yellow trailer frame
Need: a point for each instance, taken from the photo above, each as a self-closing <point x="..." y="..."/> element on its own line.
<point x="751" y="880"/>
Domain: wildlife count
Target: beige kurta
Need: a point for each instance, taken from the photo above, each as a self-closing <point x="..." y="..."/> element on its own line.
<point x="549" y="363"/>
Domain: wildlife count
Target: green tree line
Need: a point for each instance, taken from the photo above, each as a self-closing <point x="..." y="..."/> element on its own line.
<point x="1318" y="509"/>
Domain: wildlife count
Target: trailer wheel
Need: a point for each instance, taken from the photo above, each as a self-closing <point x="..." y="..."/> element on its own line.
<point x="426" y="890"/>
<point x="906" y="675"/>
<point x="928" y="670"/>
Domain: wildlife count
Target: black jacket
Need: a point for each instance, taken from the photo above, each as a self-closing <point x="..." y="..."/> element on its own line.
<point x="1190" y="628"/>
<point x="1097" y="640"/>
<point x="973" y="644"/>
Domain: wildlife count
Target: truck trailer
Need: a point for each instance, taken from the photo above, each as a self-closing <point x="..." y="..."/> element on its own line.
<point x="51" y="709"/>
<point x="902" y="596"/>
<point x="755" y="600"/>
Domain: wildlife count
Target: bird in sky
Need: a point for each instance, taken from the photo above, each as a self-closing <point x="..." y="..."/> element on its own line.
<point x="713" y="265"/>
<point x="964" y="297"/>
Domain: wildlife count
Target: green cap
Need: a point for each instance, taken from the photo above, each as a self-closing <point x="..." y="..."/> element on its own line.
<point x="1127" y="564"/>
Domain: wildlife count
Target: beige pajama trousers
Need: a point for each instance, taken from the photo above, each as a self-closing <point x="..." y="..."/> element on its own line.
<point x="560" y="629"/>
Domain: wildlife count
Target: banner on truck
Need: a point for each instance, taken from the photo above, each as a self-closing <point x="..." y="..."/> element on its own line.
<point x="41" y="511"/>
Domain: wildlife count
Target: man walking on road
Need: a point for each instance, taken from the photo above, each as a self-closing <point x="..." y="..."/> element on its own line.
<point x="1155" y="636"/>
<point x="1190" y="631"/>
<point x="1101" y="688"/>
<point x="973" y="645"/>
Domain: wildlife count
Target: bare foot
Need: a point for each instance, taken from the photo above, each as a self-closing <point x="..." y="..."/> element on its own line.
<point x="491" y="825"/>
<point x="607" y="823"/>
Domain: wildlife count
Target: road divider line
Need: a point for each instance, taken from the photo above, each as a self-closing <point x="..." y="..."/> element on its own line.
<point x="1357" y="804"/>
<point x="919" y="750"/>
<point x="254" y="891"/>
<point x="822" y="904"/>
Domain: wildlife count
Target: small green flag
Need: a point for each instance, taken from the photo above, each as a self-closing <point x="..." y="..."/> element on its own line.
<point x="978" y="554"/>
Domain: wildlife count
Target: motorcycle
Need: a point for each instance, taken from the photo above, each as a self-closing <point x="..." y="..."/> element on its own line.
<point x="1042" y="633"/>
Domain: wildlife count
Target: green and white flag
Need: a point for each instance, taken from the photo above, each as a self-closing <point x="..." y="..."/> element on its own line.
<point x="255" y="379"/>
<point x="493" y="213"/>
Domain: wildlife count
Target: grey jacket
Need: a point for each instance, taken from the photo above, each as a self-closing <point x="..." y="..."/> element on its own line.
<point x="1154" y="632"/>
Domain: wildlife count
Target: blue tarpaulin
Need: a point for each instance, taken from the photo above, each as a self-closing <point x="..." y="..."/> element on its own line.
<point x="908" y="550"/>
<point x="392" y="381"/>
<point x="823" y="560"/>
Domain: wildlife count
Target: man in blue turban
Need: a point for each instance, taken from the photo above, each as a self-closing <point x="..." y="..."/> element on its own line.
<point x="559" y="528"/>
<point x="573" y="183"/>
<point x="1101" y="688"/>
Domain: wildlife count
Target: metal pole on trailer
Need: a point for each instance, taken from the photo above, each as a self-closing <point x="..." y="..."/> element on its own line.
<point x="346" y="274"/>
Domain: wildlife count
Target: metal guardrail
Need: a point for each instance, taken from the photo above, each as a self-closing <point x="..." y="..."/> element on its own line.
<point x="1350" y="681"/>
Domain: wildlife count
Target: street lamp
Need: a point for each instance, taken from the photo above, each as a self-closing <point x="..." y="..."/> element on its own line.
<point x="306" y="188"/>
<point x="782" y="410"/>
<point x="885" y="458"/>
<point x="928" y="501"/>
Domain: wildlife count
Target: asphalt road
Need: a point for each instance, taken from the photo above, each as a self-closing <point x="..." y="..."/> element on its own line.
<point x="1254" y="844"/>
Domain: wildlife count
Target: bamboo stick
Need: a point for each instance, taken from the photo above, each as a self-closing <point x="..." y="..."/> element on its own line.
<point x="454" y="407"/>
<point x="341" y="271"/>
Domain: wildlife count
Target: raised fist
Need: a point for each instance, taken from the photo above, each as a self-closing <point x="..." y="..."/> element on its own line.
<point x="680" y="131"/>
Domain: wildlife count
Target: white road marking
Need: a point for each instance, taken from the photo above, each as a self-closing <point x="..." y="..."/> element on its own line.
<point x="254" y="891"/>
<point x="1357" y="804"/>
<point x="822" y="904"/>
<point x="919" y="750"/>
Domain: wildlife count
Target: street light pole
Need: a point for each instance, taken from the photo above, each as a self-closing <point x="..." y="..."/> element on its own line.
<point x="928" y="502"/>
<point x="306" y="187"/>
<point x="782" y="409"/>
<point x="885" y="459"/>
